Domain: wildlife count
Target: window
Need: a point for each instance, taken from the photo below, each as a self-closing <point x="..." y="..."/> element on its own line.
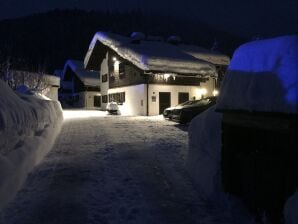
<point x="117" y="97"/>
<point x="104" y="78"/>
<point x="104" y="98"/>
<point x="121" y="70"/>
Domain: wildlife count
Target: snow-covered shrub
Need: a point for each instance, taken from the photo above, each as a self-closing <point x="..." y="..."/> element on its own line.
<point x="263" y="77"/>
<point x="29" y="125"/>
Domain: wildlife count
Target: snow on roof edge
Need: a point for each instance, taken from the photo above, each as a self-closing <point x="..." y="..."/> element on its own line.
<point x="192" y="65"/>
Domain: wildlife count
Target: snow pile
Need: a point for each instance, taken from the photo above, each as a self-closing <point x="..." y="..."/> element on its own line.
<point x="263" y="76"/>
<point x="291" y="209"/>
<point x="29" y="125"/>
<point x="204" y="156"/>
<point x="204" y="166"/>
<point x="152" y="56"/>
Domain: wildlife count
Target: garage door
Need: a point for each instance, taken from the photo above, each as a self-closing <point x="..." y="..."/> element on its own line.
<point x="164" y="101"/>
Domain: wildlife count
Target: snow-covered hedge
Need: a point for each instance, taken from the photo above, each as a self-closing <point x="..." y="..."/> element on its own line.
<point x="262" y="76"/>
<point x="29" y="124"/>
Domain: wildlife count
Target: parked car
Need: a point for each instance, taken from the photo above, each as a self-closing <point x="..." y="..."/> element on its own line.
<point x="186" y="113"/>
<point x="167" y="113"/>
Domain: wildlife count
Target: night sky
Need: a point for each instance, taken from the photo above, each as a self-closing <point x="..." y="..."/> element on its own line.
<point x="244" y="18"/>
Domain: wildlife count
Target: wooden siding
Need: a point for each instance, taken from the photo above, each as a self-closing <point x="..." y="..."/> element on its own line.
<point x="130" y="75"/>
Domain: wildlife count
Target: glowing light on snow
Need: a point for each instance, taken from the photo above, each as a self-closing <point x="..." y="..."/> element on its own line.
<point x="79" y="114"/>
<point x="201" y="92"/>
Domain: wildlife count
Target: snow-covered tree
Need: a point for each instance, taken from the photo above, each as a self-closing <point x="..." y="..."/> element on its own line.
<point x="35" y="81"/>
<point x="5" y="72"/>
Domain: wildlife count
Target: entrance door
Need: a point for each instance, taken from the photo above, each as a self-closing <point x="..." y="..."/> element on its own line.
<point x="164" y="101"/>
<point x="97" y="101"/>
<point x="183" y="97"/>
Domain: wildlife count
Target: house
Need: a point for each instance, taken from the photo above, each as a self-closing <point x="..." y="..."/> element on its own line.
<point x="79" y="87"/>
<point x="53" y="85"/>
<point x="147" y="76"/>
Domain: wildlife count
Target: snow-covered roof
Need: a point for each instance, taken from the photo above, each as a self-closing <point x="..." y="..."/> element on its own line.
<point x="211" y="56"/>
<point x="89" y="78"/>
<point x="152" y="55"/>
<point x="262" y="76"/>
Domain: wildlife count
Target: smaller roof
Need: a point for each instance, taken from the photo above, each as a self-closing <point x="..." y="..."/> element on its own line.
<point x="89" y="78"/>
<point x="152" y="55"/>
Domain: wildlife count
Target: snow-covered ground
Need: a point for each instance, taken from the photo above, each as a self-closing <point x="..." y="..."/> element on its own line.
<point x="116" y="169"/>
<point x="29" y="124"/>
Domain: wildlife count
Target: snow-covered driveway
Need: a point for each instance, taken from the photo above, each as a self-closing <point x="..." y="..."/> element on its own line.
<point x="112" y="169"/>
<point x="109" y="169"/>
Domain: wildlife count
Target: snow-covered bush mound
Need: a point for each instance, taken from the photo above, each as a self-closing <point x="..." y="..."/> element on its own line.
<point x="29" y="125"/>
<point x="263" y="76"/>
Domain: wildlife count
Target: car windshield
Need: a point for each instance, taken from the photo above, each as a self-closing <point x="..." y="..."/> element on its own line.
<point x="203" y="102"/>
<point x="186" y="103"/>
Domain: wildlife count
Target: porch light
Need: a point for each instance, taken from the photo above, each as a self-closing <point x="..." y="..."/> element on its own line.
<point x="215" y="92"/>
<point x="166" y="76"/>
<point x="114" y="59"/>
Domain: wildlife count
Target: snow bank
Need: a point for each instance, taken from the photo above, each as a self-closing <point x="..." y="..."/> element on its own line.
<point x="29" y="125"/>
<point x="291" y="209"/>
<point x="204" y="156"/>
<point x="263" y="76"/>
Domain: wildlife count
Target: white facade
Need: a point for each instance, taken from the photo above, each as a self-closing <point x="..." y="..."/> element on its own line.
<point x="135" y="99"/>
<point x="53" y="93"/>
<point x="136" y="96"/>
<point x="104" y="86"/>
<point x="195" y="92"/>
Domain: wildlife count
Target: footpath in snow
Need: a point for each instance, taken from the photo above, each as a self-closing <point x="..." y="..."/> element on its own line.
<point x="113" y="169"/>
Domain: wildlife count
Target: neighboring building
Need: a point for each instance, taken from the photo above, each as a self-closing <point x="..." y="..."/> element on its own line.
<point x="79" y="87"/>
<point x="53" y="83"/>
<point x="145" y="77"/>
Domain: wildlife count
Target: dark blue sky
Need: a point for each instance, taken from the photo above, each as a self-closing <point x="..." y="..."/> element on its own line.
<point x="245" y="18"/>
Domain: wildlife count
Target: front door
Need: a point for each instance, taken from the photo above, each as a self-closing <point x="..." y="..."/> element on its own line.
<point x="97" y="101"/>
<point x="164" y="101"/>
<point x="183" y="97"/>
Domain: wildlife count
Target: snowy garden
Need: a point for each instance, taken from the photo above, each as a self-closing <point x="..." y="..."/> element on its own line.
<point x="114" y="169"/>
